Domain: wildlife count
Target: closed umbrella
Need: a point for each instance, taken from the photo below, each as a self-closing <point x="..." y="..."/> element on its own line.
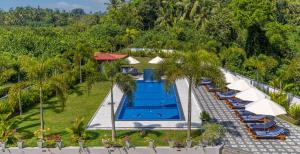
<point x="239" y="85"/>
<point x="251" y="94"/>
<point x="156" y="60"/>
<point x="132" y="61"/>
<point x="229" y="78"/>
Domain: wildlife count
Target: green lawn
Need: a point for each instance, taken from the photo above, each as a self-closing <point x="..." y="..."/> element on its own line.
<point x="79" y="104"/>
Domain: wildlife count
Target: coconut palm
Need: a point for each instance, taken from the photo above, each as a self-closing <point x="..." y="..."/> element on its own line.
<point x="124" y="81"/>
<point x="192" y="66"/>
<point x="38" y="73"/>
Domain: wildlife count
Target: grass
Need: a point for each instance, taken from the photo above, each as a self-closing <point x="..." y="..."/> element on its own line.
<point x="79" y="104"/>
<point x="289" y="119"/>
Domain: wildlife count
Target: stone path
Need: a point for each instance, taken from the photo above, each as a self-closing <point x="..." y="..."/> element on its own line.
<point x="236" y="134"/>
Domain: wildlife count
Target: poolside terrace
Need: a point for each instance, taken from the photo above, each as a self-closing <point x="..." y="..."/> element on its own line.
<point x="236" y="132"/>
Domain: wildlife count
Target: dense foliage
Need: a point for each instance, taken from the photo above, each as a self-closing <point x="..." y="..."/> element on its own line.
<point x="260" y="39"/>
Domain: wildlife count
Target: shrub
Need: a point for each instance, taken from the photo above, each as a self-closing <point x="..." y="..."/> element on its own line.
<point x="77" y="130"/>
<point x="294" y="111"/>
<point x="212" y="133"/>
<point x="205" y="117"/>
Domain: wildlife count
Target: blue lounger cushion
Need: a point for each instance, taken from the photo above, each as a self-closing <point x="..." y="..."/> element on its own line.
<point x="261" y="125"/>
<point x="226" y="94"/>
<point x="238" y="105"/>
<point x="243" y="112"/>
<point x="270" y="133"/>
<point x="252" y="118"/>
<point x="206" y="81"/>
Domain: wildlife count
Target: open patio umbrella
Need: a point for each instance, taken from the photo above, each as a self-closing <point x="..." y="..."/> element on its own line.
<point x="265" y="107"/>
<point x="229" y="78"/>
<point x="251" y="94"/>
<point x="156" y="60"/>
<point x="132" y="61"/>
<point x="239" y="85"/>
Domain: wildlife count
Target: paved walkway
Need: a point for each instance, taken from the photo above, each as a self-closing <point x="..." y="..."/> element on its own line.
<point x="236" y="134"/>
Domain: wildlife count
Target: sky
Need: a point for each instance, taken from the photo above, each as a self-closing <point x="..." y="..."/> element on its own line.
<point x="87" y="5"/>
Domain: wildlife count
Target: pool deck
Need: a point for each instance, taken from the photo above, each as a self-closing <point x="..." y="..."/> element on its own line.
<point x="236" y="134"/>
<point x="102" y="120"/>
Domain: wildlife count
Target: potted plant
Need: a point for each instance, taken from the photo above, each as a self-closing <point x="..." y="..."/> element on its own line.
<point x="127" y="142"/>
<point x="20" y="141"/>
<point x="117" y="144"/>
<point x="58" y="142"/>
<point x="170" y="140"/>
<point x="106" y="141"/>
<point x="179" y="144"/>
<point x="81" y="144"/>
<point x="7" y="130"/>
<point x="211" y="137"/>
<point x="78" y="132"/>
<point x="38" y="135"/>
<point x="189" y="142"/>
<point x="54" y="141"/>
<point x="151" y="142"/>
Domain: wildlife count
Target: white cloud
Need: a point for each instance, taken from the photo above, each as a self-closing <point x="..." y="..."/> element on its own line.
<point x="98" y="1"/>
<point x="68" y="6"/>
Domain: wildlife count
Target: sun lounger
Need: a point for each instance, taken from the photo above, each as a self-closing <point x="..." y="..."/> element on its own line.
<point x="211" y="88"/>
<point x="253" y="118"/>
<point x="205" y="81"/>
<point x="278" y="133"/>
<point x="243" y="112"/>
<point x="261" y="126"/>
<point x="225" y="95"/>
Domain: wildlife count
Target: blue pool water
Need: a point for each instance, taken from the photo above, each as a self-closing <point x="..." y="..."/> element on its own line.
<point x="151" y="102"/>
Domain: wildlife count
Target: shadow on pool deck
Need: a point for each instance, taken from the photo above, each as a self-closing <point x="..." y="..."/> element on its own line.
<point x="151" y="126"/>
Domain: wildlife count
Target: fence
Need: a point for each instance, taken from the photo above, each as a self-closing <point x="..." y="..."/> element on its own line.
<point x="291" y="97"/>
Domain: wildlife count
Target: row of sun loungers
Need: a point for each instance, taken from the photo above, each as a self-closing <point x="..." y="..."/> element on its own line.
<point x="260" y="126"/>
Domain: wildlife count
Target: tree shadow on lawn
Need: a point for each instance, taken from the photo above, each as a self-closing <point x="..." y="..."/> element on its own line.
<point x="92" y="135"/>
<point x="78" y="90"/>
<point x="54" y="105"/>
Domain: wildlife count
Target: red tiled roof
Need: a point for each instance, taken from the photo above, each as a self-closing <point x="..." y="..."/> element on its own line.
<point x="103" y="56"/>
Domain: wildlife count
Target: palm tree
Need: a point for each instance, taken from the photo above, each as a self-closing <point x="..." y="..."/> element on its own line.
<point x="38" y="72"/>
<point x="14" y="95"/>
<point x="124" y="81"/>
<point x="192" y="66"/>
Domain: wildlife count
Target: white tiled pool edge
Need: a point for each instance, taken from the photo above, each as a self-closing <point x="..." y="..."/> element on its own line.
<point x="101" y="119"/>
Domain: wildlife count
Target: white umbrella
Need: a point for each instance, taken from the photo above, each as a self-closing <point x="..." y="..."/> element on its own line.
<point x="251" y="94"/>
<point x="156" y="60"/>
<point x="240" y="85"/>
<point x="229" y="78"/>
<point x="132" y="60"/>
<point x="265" y="107"/>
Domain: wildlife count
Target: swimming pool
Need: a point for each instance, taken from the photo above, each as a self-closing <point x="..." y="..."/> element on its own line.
<point x="151" y="102"/>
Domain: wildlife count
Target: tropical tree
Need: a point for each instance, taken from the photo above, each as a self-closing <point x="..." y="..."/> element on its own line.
<point x="7" y="127"/>
<point x="192" y="66"/>
<point x="38" y="73"/>
<point x="91" y="74"/>
<point x="14" y="95"/>
<point x="111" y="72"/>
<point x="6" y="67"/>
